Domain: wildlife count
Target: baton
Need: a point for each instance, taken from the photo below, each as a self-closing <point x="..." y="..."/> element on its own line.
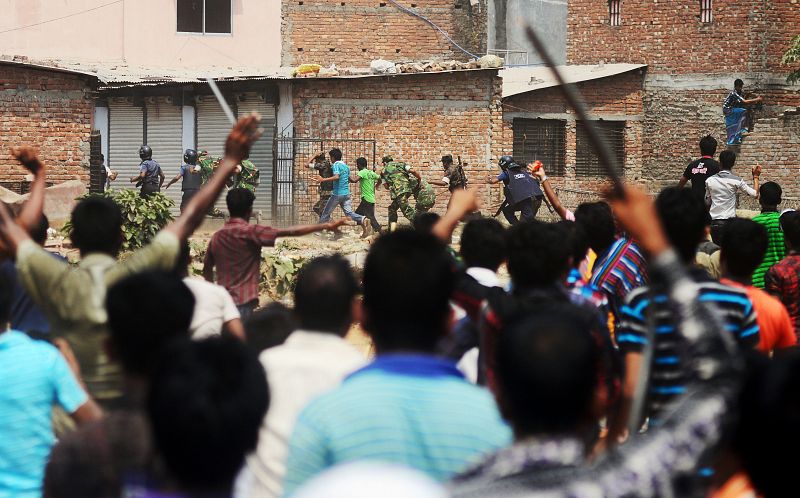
<point x="222" y="103"/>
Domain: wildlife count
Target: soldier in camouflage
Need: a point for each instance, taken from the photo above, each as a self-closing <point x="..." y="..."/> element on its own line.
<point x="246" y="176"/>
<point x="207" y="165"/>
<point x="405" y="183"/>
<point x="323" y="167"/>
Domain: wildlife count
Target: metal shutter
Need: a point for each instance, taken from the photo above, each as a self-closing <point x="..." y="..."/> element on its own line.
<point x="212" y="130"/>
<point x="261" y="153"/>
<point x="165" y="137"/>
<point x="125" y="136"/>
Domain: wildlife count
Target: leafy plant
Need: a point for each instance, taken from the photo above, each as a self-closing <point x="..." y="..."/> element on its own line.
<point x="792" y="57"/>
<point x="279" y="274"/>
<point x="142" y="218"/>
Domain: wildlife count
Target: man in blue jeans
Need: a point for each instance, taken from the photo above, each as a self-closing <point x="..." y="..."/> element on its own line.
<point x="341" y="193"/>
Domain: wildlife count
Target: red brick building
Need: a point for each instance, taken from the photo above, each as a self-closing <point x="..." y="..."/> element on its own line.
<point x="51" y="110"/>
<point x="694" y="50"/>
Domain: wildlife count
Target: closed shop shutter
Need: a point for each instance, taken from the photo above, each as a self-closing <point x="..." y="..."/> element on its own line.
<point x="125" y="136"/>
<point x="164" y="136"/>
<point x="261" y="153"/>
<point x="212" y="130"/>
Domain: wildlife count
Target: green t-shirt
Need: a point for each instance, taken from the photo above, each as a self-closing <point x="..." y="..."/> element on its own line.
<point x="368" y="179"/>
<point x="776" y="250"/>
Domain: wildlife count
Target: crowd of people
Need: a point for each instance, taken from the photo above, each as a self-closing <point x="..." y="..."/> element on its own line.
<point x="625" y="354"/>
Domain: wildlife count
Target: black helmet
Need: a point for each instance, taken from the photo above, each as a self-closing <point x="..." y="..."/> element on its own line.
<point x="145" y="152"/>
<point x="505" y="161"/>
<point x="190" y="156"/>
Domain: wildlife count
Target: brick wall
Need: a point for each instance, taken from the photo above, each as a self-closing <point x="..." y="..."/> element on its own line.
<point x="48" y="110"/>
<point x="414" y="118"/>
<point x="355" y="32"/>
<point x="745" y="35"/>
<point x="618" y="98"/>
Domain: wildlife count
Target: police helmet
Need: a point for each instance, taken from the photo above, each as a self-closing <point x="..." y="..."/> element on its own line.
<point x="190" y="156"/>
<point x="145" y="152"/>
<point x="505" y="161"/>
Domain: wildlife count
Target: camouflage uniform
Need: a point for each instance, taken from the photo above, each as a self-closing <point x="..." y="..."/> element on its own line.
<point x="207" y="166"/>
<point x="325" y="188"/>
<point x="402" y="186"/>
<point x="247" y="178"/>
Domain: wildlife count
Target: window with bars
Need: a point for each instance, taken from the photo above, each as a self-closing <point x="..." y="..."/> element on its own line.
<point x="706" y="11"/>
<point x="615" y="12"/>
<point x="540" y="139"/>
<point x="587" y="163"/>
<point x="204" y="16"/>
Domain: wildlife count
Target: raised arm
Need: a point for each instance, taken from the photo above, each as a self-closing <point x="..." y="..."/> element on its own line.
<point x="299" y="230"/>
<point x="174" y="179"/>
<point x="32" y="209"/>
<point x="462" y="203"/>
<point x="551" y="195"/>
<point x="237" y="147"/>
<point x="161" y="178"/>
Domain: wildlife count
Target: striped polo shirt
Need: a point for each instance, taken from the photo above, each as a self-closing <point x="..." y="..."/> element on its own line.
<point x="618" y="271"/>
<point x="413" y="410"/>
<point x="33" y="377"/>
<point x="776" y="250"/>
<point x="668" y="375"/>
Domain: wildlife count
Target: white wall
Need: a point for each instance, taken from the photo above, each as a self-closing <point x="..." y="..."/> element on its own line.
<point x="139" y="32"/>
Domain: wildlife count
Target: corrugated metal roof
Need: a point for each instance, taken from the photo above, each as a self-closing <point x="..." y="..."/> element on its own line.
<point x="518" y="80"/>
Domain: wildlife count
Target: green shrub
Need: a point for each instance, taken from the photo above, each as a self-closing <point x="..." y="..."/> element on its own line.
<point x="142" y="218"/>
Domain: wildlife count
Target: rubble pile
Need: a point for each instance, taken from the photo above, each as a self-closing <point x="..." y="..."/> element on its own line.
<point x="381" y="66"/>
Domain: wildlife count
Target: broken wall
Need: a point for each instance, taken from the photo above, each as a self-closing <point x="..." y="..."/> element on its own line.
<point x="51" y="111"/>
<point x="416" y="118"/>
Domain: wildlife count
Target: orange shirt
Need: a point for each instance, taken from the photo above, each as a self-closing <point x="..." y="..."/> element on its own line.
<point x="775" y="326"/>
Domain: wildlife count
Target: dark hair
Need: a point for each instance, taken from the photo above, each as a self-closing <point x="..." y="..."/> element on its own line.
<point x="537" y="254"/>
<point x="790" y="223"/>
<point x="408" y="281"/>
<point x="206" y="403"/>
<point x="743" y="244"/>
<point x="575" y="239"/>
<point x="138" y="332"/>
<point x="269" y="326"/>
<point x="684" y="218"/>
<point x="324" y="293"/>
<point x="336" y="154"/>
<point x="97" y="226"/>
<point x="597" y="222"/>
<point x="483" y="243"/>
<point x="5" y="299"/>
<point x="361" y="163"/>
<point x="769" y="422"/>
<point x="39" y="232"/>
<point x="447" y="159"/>
<point x="547" y="370"/>
<point x="770" y="194"/>
<point x="184" y="259"/>
<point x="708" y="145"/>
<point x="240" y="202"/>
<point x="727" y="158"/>
<point x="738" y="82"/>
<point x="424" y="222"/>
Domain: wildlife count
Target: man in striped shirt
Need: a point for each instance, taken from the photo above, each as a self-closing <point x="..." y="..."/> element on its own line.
<point x="408" y="406"/>
<point x="783" y="279"/>
<point x="620" y="265"/>
<point x="684" y="219"/>
<point x="769" y="198"/>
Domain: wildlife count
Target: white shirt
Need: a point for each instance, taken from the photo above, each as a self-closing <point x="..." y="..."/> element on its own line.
<point x="213" y="307"/>
<point x="721" y="189"/>
<point x="484" y="276"/>
<point x="306" y="365"/>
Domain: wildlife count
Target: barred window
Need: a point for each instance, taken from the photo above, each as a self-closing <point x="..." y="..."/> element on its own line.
<point x="706" y="11"/>
<point x="540" y="139"/>
<point x="587" y="162"/>
<point x="614" y="12"/>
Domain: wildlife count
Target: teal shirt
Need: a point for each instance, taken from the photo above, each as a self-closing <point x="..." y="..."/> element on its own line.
<point x="776" y="250"/>
<point x="342" y="185"/>
<point x="368" y="180"/>
<point x="33" y="377"/>
<point x="412" y="410"/>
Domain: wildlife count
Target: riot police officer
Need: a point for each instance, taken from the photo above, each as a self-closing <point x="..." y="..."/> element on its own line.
<point x="150" y="176"/>
<point x="190" y="173"/>
<point x="520" y="188"/>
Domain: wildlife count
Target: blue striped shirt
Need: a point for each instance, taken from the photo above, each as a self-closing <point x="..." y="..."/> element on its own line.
<point x="669" y="373"/>
<point x="412" y="410"/>
<point x="33" y="376"/>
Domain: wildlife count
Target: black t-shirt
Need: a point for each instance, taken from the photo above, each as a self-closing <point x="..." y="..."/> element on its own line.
<point x="698" y="172"/>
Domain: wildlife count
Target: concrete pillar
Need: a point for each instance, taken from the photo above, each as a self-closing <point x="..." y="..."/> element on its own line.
<point x="101" y="124"/>
<point x="188" y="127"/>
